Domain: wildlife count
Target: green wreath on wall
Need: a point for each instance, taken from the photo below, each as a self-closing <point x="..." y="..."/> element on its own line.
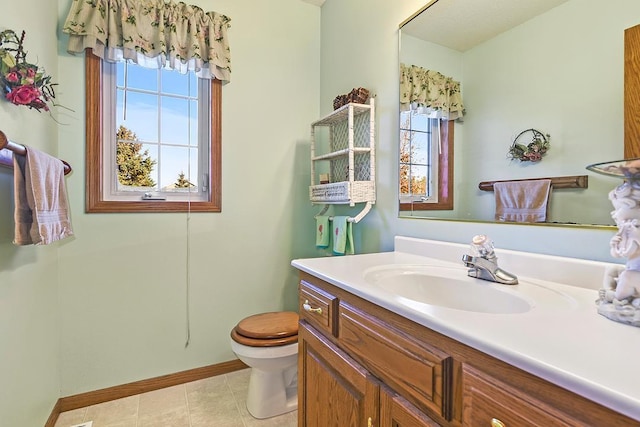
<point x="534" y="150"/>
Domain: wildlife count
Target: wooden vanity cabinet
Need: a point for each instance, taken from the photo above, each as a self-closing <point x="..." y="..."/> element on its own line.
<point x="351" y="364"/>
<point x="334" y="389"/>
<point x="362" y="365"/>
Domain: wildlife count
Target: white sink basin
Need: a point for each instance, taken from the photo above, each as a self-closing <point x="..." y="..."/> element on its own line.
<point x="420" y="285"/>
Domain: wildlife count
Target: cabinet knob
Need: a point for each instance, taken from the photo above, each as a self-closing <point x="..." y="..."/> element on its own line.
<point x="307" y="307"/>
<point x="497" y="423"/>
<point x="369" y="423"/>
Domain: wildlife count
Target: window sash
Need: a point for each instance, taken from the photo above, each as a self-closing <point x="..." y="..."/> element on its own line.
<point x="431" y="163"/>
<point x="445" y="174"/>
<point x="111" y="189"/>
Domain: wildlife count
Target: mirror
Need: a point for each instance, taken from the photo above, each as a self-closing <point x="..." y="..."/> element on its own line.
<point x="552" y="65"/>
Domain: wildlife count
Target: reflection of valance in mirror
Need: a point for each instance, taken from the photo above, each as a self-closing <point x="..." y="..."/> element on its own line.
<point x="430" y="90"/>
<point x="153" y="34"/>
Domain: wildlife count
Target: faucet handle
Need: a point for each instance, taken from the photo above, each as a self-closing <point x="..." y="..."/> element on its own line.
<point x="480" y="239"/>
<point x="481" y="245"/>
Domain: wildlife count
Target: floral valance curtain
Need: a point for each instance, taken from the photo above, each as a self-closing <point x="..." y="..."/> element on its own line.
<point x="431" y="92"/>
<point x="152" y="33"/>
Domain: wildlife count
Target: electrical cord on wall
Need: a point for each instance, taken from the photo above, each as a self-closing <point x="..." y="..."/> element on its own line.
<point x="188" y="278"/>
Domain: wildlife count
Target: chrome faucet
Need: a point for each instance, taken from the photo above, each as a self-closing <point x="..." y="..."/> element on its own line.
<point x="483" y="264"/>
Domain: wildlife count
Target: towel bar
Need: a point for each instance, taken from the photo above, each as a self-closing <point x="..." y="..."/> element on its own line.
<point x="5" y="157"/>
<point x="574" y="181"/>
<point x="355" y="219"/>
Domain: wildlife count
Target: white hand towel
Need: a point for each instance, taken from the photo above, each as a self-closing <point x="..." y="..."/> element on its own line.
<point x="41" y="203"/>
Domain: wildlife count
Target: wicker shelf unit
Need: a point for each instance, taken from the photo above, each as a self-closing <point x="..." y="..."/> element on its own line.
<point x="343" y="147"/>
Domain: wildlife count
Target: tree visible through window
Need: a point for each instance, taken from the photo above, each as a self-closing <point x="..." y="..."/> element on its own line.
<point x="134" y="165"/>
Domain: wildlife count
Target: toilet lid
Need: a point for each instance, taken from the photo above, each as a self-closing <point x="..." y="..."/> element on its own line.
<point x="256" y="342"/>
<point x="269" y="325"/>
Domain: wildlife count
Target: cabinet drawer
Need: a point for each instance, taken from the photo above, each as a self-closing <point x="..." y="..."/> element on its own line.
<point x="419" y="372"/>
<point x="318" y="307"/>
<point x="489" y="402"/>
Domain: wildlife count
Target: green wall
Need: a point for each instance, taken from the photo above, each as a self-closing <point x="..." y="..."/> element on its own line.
<point x="123" y="286"/>
<point x="29" y="325"/>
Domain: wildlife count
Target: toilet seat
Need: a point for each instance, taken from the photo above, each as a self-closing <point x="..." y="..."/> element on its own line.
<point x="267" y="329"/>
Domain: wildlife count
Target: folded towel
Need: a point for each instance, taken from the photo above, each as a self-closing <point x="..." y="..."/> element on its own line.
<point x="522" y="201"/>
<point x="323" y="231"/>
<point x="343" y="236"/>
<point x="41" y="205"/>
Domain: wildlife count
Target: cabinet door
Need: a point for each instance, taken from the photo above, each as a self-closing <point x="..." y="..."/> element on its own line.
<point x="395" y="411"/>
<point x="333" y="390"/>
<point x="489" y="402"/>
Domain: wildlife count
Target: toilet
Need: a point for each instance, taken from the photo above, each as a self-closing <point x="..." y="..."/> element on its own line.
<point x="268" y="344"/>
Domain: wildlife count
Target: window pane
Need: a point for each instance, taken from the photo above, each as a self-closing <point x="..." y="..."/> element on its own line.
<point x="175" y="83"/>
<point x="420" y="122"/>
<point x="175" y="120"/>
<point x="141" y="78"/>
<point x="120" y="74"/>
<point x="405" y="120"/>
<point x="151" y="152"/>
<point x="405" y="146"/>
<point x="405" y="169"/>
<point x="141" y="115"/>
<point x="419" y="180"/>
<point x="175" y="161"/>
<point x="137" y="166"/>
<point x="419" y="148"/>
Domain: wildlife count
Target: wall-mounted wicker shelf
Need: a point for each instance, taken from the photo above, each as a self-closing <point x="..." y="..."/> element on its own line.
<point x="345" y="151"/>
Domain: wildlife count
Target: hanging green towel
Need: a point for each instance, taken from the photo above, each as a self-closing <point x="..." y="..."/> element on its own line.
<point x="323" y="231"/>
<point x="343" y="236"/>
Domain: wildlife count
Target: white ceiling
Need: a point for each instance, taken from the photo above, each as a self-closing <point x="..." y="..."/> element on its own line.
<point x="463" y="24"/>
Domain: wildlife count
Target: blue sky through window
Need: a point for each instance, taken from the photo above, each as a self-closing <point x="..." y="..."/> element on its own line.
<point x="162" y="110"/>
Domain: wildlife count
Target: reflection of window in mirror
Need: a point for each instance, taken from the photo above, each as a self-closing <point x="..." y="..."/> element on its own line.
<point x="426" y="162"/>
<point x="165" y="121"/>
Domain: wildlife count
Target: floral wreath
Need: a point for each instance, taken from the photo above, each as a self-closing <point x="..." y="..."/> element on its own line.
<point x="23" y="83"/>
<point x="533" y="151"/>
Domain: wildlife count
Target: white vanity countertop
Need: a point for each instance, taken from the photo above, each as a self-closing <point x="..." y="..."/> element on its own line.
<point x="570" y="344"/>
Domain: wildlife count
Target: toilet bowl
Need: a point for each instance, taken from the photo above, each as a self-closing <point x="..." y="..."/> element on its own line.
<point x="268" y="344"/>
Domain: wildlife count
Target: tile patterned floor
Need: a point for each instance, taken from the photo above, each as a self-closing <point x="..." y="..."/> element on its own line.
<point x="212" y="402"/>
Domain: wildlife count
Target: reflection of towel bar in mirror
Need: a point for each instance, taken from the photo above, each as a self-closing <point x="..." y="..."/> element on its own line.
<point x="575" y="181"/>
<point x="5" y="156"/>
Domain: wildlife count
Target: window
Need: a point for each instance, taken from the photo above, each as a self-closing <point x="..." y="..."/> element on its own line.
<point x="153" y="140"/>
<point x="426" y="162"/>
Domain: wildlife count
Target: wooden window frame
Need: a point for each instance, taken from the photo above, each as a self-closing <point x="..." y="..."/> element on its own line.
<point x="95" y="202"/>
<point x="445" y="176"/>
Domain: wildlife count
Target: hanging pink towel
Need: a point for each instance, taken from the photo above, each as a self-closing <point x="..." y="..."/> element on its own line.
<point x="41" y="205"/>
<point x="522" y="201"/>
